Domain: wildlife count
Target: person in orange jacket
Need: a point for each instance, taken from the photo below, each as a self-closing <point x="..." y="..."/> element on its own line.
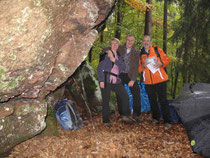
<point x="155" y="77"/>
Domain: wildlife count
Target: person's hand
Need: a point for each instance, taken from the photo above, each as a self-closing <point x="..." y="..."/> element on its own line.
<point x="144" y="65"/>
<point x="130" y="84"/>
<point x="158" y="64"/>
<point x="110" y="55"/>
<point x="101" y="84"/>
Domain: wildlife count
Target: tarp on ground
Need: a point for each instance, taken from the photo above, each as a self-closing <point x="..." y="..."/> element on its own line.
<point x="193" y="108"/>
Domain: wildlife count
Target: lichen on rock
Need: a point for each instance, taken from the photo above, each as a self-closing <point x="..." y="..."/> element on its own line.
<point x="41" y="45"/>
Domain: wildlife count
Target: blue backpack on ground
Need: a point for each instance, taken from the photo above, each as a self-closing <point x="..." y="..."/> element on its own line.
<point x="67" y="115"/>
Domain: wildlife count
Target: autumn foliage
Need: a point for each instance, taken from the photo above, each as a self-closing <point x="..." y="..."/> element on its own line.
<point x="144" y="140"/>
<point x="139" y="5"/>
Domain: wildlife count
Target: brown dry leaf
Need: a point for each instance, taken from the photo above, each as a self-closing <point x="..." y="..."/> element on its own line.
<point x="143" y="140"/>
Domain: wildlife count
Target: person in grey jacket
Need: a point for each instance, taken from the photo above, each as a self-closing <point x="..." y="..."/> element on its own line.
<point x="109" y="67"/>
<point x="129" y="75"/>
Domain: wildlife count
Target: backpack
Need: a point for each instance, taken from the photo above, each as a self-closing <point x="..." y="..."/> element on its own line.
<point x="67" y="115"/>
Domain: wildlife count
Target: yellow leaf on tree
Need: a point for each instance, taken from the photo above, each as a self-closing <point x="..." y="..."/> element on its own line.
<point x="139" y="5"/>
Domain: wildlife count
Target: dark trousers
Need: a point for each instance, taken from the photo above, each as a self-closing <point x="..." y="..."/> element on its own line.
<point x="121" y="93"/>
<point x="154" y="91"/>
<point x="135" y="91"/>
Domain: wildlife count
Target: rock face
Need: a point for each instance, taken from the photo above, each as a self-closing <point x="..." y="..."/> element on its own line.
<point x="27" y="120"/>
<point x="41" y="45"/>
<point x="83" y="89"/>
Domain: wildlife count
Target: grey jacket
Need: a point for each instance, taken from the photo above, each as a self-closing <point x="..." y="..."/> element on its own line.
<point x="105" y="65"/>
<point x="134" y="61"/>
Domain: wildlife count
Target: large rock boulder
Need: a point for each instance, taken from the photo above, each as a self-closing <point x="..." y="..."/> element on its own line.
<point x="26" y="120"/>
<point x="41" y="45"/>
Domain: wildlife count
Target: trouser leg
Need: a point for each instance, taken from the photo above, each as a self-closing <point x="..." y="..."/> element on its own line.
<point x="135" y="90"/>
<point x="105" y="103"/>
<point x="119" y="104"/>
<point x="125" y="79"/>
<point x="162" y="96"/>
<point x="123" y="97"/>
<point x="151" y="92"/>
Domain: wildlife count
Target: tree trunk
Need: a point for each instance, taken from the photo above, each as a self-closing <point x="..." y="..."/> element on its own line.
<point x="172" y="78"/>
<point x="90" y="55"/>
<point x="196" y="57"/>
<point x="184" y="68"/>
<point x="165" y="26"/>
<point x="148" y="20"/>
<point x="186" y="57"/>
<point x="177" y="69"/>
<point x="102" y="32"/>
<point x="175" y="84"/>
<point x="119" y="20"/>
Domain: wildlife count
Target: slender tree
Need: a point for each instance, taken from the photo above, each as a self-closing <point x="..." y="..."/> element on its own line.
<point x="192" y="34"/>
<point x="119" y="16"/>
<point x="148" y="20"/>
<point x="165" y="15"/>
<point x="102" y="32"/>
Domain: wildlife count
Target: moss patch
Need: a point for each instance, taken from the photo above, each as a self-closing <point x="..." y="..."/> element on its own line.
<point x="51" y="121"/>
<point x="10" y="84"/>
<point x="2" y="71"/>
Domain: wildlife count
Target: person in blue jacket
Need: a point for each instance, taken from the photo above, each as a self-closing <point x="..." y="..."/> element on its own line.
<point x="109" y="67"/>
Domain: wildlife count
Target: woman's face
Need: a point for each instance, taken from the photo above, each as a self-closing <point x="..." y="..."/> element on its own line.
<point x="114" y="45"/>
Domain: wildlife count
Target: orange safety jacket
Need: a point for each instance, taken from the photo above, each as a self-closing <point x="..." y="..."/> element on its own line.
<point x="158" y="76"/>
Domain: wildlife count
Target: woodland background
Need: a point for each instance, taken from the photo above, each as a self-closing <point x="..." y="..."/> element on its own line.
<point x="181" y="28"/>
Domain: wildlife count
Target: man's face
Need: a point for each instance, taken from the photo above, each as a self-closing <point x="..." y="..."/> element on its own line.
<point x="130" y="41"/>
<point x="114" y="45"/>
<point x="146" y="42"/>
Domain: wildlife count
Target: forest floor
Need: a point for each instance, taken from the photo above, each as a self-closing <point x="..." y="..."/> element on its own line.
<point x="143" y="140"/>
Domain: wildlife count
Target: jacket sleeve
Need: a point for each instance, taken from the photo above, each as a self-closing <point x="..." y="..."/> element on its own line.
<point x="103" y="54"/>
<point x="140" y="68"/>
<point x="134" y="65"/>
<point x="100" y="72"/>
<point x="100" y="69"/>
<point x="105" y="49"/>
<point x="121" y="64"/>
<point x="141" y="61"/>
<point x="164" y="58"/>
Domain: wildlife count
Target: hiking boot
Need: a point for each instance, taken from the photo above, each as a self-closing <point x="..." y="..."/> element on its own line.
<point x="108" y="124"/>
<point x="127" y="120"/>
<point x="136" y="119"/>
<point x="167" y="125"/>
<point x="155" y="121"/>
<point x="119" y="117"/>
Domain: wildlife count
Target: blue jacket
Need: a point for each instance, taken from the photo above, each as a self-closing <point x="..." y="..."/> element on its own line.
<point x="106" y="65"/>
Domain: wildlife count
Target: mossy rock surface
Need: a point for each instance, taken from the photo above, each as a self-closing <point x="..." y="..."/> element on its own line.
<point x="51" y="121"/>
